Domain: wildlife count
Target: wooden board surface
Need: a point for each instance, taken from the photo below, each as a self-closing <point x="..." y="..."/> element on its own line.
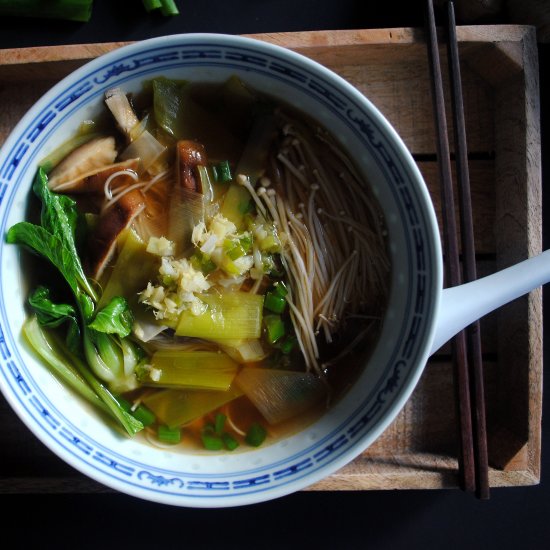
<point x="500" y="74"/>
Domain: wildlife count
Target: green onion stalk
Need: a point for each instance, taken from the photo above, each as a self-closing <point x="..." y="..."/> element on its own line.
<point x="166" y="7"/>
<point x="72" y="10"/>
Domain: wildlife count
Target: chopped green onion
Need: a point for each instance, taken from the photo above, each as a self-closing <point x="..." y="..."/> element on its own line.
<point x="256" y="435"/>
<point x="274" y="302"/>
<point x="166" y="7"/>
<point x="246" y="242"/>
<point x="210" y="440"/>
<point x="229" y="441"/>
<point x="169" y="8"/>
<point x="275" y="328"/>
<point x="280" y="288"/>
<point x="222" y="172"/>
<point x="234" y="249"/>
<point x="246" y="206"/>
<point x="219" y="423"/>
<point x="288" y="344"/>
<point x="169" y="435"/>
<point x="141" y="412"/>
<point x="270" y="266"/>
<point x="151" y="5"/>
<point x="270" y="244"/>
<point x="72" y="10"/>
<point x="235" y="253"/>
<point x="202" y="262"/>
<point x="144" y="415"/>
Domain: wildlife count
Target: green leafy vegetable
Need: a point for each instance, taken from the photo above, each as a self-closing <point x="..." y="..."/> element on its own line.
<point x="114" y="318"/>
<point x="56" y="238"/>
<point x="110" y="356"/>
<point x="48" y="349"/>
<point x="77" y="375"/>
<point x="53" y="315"/>
<point x="73" y="10"/>
<point x="43" y="243"/>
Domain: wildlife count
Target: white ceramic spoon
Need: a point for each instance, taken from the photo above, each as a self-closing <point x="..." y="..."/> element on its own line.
<point x="460" y="306"/>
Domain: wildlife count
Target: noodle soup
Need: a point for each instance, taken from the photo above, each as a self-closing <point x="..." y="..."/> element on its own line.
<point x="223" y="267"/>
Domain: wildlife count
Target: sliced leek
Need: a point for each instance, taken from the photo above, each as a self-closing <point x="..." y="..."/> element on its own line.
<point x="209" y="370"/>
<point x="134" y="267"/>
<point x="279" y="394"/>
<point x="236" y="204"/>
<point x="244" y="351"/>
<point x="179" y="407"/>
<point x="233" y="315"/>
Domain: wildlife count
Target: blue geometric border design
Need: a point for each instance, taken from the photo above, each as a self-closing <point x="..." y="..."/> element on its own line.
<point x="92" y="82"/>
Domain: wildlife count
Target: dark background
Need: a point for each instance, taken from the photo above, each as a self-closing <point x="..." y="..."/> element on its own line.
<point x="512" y="518"/>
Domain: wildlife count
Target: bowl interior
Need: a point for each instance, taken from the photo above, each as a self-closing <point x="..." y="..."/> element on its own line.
<point x="74" y="432"/>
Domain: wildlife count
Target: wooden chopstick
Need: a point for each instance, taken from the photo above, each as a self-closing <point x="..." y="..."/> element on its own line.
<point x="475" y="360"/>
<point x="452" y="263"/>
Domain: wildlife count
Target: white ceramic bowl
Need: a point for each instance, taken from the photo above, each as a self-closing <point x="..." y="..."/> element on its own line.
<point x="74" y="432"/>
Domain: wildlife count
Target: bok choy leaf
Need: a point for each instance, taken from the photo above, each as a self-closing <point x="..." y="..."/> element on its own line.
<point x="71" y="370"/>
<point x="114" y="318"/>
<point x="50" y="314"/>
<point x="102" y="331"/>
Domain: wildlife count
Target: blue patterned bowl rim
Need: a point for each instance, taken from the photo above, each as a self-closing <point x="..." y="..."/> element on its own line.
<point x="352" y="429"/>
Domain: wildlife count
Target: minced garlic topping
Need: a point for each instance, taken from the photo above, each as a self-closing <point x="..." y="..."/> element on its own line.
<point x="181" y="283"/>
<point x="160" y="246"/>
<point x="219" y="247"/>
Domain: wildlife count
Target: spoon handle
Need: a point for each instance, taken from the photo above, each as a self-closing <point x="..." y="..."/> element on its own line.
<point x="461" y="305"/>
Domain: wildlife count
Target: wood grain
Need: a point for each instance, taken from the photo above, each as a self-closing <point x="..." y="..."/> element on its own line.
<point x="499" y="68"/>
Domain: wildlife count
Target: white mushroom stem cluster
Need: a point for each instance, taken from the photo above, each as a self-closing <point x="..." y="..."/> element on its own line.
<point x="334" y="240"/>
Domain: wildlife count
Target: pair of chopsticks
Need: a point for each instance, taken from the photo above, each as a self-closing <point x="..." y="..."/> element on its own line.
<point x="466" y="346"/>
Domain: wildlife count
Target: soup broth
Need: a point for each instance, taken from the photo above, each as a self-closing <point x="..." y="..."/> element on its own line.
<point x="229" y="268"/>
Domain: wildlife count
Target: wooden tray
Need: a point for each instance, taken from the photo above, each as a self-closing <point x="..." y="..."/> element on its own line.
<point x="500" y="78"/>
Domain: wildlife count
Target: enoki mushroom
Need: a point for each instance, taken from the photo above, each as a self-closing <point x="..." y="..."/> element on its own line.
<point x="334" y="248"/>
